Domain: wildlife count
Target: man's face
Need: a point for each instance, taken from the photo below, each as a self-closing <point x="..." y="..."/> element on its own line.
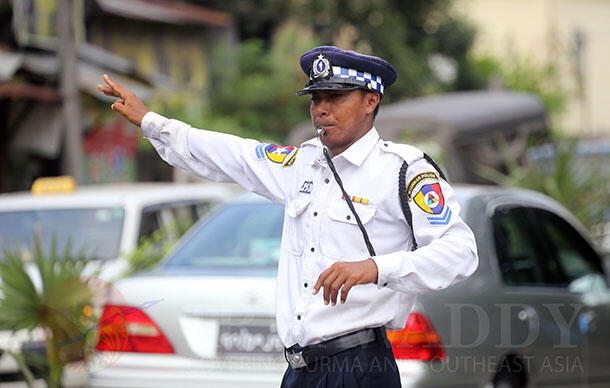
<point x="345" y="116"/>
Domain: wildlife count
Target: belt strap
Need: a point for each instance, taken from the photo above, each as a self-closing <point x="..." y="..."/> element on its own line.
<point x="299" y="357"/>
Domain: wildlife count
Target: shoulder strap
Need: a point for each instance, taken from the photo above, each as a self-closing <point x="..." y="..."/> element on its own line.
<point x="433" y="163"/>
<point x="402" y="193"/>
<point x="404" y="201"/>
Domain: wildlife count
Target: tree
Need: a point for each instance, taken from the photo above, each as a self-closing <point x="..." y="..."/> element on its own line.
<point x="61" y="305"/>
<point x="258" y="93"/>
<point x="560" y="171"/>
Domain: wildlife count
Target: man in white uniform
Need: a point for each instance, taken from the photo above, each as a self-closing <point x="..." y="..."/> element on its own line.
<point x="350" y="230"/>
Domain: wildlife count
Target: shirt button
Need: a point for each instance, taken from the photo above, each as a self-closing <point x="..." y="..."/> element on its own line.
<point x="299" y="317"/>
<point x="385" y="284"/>
<point x="349" y="217"/>
<point x="313" y="249"/>
<point x="305" y="285"/>
<point x="315" y="214"/>
<point x="326" y="180"/>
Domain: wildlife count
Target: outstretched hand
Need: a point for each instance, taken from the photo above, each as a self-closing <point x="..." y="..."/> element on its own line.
<point x="128" y="104"/>
<point x="345" y="275"/>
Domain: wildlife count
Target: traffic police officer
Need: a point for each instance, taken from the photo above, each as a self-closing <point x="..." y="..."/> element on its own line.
<point x="356" y="209"/>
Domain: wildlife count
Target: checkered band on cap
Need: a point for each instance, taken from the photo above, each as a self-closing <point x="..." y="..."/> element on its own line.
<point x="375" y="82"/>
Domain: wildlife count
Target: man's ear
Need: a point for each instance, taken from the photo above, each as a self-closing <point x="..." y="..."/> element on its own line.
<point x="372" y="100"/>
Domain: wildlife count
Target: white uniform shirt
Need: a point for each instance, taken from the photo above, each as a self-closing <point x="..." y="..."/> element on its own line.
<point x="319" y="228"/>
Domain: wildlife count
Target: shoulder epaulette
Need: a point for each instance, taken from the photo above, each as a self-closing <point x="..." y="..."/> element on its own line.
<point x="407" y="152"/>
<point x="315" y="142"/>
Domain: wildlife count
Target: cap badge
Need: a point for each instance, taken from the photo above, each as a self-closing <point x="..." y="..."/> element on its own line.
<point x="321" y="67"/>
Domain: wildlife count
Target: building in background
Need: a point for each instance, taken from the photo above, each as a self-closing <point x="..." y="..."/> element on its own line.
<point x="156" y="48"/>
<point x="572" y="34"/>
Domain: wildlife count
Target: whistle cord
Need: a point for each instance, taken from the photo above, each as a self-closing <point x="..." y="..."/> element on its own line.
<point x="348" y="199"/>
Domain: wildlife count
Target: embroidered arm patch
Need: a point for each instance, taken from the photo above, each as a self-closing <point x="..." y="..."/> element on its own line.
<point x="430" y="199"/>
<point x="418" y="179"/>
<point x="284" y="155"/>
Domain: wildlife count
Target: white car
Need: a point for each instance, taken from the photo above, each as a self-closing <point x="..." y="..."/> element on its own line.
<point x="205" y="317"/>
<point x="107" y="220"/>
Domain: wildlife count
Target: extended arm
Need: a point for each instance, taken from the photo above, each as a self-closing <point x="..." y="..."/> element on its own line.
<point x="262" y="168"/>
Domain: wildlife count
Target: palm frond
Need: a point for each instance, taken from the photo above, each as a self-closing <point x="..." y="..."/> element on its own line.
<point x="20" y="299"/>
<point x="57" y="305"/>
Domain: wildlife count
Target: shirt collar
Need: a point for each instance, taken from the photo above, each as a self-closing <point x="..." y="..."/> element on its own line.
<point x="357" y="152"/>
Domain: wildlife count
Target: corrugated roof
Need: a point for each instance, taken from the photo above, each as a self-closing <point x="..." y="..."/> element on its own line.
<point x="92" y="63"/>
<point x="172" y="12"/>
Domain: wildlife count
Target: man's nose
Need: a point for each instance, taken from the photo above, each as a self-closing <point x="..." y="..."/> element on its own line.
<point x="321" y="107"/>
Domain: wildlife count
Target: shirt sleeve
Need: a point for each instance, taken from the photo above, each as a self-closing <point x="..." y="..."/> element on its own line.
<point x="447" y="251"/>
<point x="262" y="168"/>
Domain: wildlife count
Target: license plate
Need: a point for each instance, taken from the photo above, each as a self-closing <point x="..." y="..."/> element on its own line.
<point x="257" y="337"/>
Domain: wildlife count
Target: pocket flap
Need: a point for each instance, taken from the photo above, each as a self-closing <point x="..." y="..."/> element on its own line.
<point x="339" y="211"/>
<point x="296" y="206"/>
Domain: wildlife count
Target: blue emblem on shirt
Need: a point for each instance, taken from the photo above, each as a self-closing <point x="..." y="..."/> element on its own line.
<point x="443" y="219"/>
<point x="306" y="187"/>
<point x="260" y="151"/>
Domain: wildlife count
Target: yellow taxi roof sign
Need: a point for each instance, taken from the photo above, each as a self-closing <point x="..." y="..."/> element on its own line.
<point x="53" y="185"/>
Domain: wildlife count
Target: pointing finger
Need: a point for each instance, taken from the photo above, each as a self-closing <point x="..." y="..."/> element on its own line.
<point x="107" y="91"/>
<point x="117" y="88"/>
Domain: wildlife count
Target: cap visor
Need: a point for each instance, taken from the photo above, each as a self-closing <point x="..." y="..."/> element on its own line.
<point x="328" y="86"/>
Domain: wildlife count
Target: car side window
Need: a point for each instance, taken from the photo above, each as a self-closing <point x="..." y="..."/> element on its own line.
<point x="521" y="257"/>
<point x="579" y="262"/>
<point x="149" y="223"/>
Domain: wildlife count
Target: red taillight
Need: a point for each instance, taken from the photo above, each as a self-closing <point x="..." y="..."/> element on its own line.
<point x="417" y="341"/>
<point x="129" y="329"/>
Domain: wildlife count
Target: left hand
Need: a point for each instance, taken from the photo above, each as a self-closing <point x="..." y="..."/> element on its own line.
<point x="345" y="275"/>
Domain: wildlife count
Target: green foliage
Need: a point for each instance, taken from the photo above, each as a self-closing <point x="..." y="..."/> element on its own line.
<point x="194" y="109"/>
<point x="253" y="89"/>
<point x="148" y="253"/>
<point x="525" y="75"/>
<point x="405" y="33"/>
<point x="153" y="248"/>
<point x="254" y="85"/>
<point x="580" y="185"/>
<point x="59" y="305"/>
<point x="259" y="92"/>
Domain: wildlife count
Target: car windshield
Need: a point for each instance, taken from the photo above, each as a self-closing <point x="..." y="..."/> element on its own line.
<point x="96" y="231"/>
<point x="238" y="236"/>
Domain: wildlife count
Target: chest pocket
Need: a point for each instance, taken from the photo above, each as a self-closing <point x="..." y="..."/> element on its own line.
<point x="295" y="223"/>
<point x="339" y="211"/>
<point x="342" y="238"/>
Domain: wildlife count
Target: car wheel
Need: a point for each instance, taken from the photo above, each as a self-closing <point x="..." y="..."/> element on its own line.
<point x="508" y="380"/>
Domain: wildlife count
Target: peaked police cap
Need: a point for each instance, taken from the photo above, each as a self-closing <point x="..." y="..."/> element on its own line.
<point x="331" y="68"/>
